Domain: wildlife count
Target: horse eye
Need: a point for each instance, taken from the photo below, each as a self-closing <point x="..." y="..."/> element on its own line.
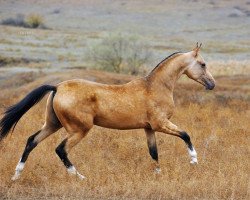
<point x="203" y="65"/>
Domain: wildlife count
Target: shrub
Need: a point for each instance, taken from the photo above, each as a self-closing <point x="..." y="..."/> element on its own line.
<point x="31" y="21"/>
<point x="4" y="61"/>
<point x="56" y="11"/>
<point x="119" y="54"/>
<point x="34" y="21"/>
<point x="137" y="56"/>
<point x="16" y="21"/>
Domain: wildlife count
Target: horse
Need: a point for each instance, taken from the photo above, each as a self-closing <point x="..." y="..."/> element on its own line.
<point x="143" y="103"/>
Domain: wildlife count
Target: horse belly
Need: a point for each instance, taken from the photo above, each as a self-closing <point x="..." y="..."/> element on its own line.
<point x="122" y="116"/>
<point x="119" y="122"/>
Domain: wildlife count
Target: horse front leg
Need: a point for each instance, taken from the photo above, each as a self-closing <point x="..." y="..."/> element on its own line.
<point x="170" y="128"/>
<point x="152" y="148"/>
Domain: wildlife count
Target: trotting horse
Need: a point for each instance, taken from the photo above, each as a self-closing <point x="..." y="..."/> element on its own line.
<point x="77" y="105"/>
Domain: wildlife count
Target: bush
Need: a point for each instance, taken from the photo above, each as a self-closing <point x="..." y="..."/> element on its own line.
<point x="4" y="61"/>
<point x="31" y="21"/>
<point x="137" y="56"/>
<point x="119" y="54"/>
<point x="16" y="21"/>
<point x="56" y="11"/>
<point x="34" y="21"/>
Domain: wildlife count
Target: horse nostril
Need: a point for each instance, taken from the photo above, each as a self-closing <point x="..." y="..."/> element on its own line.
<point x="213" y="85"/>
<point x="210" y="86"/>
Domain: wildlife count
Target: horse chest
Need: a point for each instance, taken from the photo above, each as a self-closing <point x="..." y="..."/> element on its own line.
<point x="161" y="109"/>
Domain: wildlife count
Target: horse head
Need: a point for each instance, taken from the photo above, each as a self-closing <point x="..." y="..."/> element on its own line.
<point x="198" y="70"/>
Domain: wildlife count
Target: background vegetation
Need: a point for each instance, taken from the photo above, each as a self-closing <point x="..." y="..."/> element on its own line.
<point x="120" y="54"/>
<point x="31" y="21"/>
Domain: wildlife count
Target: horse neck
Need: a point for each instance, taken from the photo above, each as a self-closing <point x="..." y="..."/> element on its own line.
<point x="165" y="75"/>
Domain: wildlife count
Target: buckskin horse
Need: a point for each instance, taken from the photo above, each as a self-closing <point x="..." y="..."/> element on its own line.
<point x="144" y="103"/>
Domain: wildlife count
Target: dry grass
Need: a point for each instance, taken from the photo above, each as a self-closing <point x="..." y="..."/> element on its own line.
<point x="229" y="68"/>
<point x="117" y="164"/>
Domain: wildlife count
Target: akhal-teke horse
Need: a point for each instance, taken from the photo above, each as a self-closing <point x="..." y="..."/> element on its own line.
<point x="144" y="103"/>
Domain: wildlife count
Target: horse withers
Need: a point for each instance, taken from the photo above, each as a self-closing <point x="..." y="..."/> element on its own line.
<point x="144" y="103"/>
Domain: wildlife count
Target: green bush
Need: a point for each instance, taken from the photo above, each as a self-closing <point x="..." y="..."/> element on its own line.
<point x="34" y="21"/>
<point x="119" y="54"/>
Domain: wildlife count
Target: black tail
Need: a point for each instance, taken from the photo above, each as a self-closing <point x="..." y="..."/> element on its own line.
<point x="15" y="112"/>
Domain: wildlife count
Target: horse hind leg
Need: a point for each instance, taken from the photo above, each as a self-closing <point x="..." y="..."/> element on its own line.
<point x="77" y="127"/>
<point x="66" y="145"/>
<point x="51" y="125"/>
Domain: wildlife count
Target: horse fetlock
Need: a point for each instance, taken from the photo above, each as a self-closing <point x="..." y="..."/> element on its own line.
<point x="18" y="171"/>
<point x="20" y="166"/>
<point x="193" y="156"/>
<point x="16" y="176"/>
<point x="72" y="171"/>
<point x="194" y="161"/>
<point x="192" y="153"/>
<point x="80" y="176"/>
<point x="157" y="170"/>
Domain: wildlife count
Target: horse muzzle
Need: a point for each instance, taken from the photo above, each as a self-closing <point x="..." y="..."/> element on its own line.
<point x="209" y="84"/>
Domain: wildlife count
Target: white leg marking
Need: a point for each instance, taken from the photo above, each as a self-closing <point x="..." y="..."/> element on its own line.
<point x="72" y="170"/>
<point x="157" y="170"/>
<point x="193" y="156"/>
<point x="19" y="169"/>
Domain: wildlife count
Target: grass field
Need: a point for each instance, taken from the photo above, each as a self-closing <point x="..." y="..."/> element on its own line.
<point x="117" y="164"/>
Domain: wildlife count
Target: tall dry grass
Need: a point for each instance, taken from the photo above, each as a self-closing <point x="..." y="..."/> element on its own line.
<point x="117" y="164"/>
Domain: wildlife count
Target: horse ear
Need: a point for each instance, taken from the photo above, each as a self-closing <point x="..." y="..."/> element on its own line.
<point x="196" y="49"/>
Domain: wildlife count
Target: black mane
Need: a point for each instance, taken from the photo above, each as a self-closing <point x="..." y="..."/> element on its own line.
<point x="170" y="56"/>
